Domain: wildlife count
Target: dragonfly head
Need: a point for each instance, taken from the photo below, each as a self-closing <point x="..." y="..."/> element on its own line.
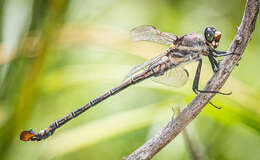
<point x="212" y="36"/>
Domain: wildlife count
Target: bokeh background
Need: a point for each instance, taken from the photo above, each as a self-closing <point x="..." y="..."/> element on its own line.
<point x="58" y="55"/>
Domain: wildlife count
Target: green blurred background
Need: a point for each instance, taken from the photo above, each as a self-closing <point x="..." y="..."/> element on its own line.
<point x="58" y="55"/>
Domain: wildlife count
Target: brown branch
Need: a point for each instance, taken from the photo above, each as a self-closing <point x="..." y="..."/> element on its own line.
<point x="175" y="126"/>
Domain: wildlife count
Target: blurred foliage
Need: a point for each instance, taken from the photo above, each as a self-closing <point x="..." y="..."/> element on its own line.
<point x="58" y="55"/>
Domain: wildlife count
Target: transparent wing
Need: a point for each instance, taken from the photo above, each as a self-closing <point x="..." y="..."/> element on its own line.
<point x="144" y="65"/>
<point x="175" y="77"/>
<point x="151" y="33"/>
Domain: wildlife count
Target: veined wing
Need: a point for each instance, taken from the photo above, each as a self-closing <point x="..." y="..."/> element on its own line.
<point x="144" y="65"/>
<point x="151" y="33"/>
<point x="175" y="77"/>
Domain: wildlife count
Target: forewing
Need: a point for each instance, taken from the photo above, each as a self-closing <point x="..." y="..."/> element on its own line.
<point x="144" y="65"/>
<point x="175" y="77"/>
<point x="151" y="33"/>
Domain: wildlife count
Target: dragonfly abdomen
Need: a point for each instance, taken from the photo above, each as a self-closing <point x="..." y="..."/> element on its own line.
<point x="45" y="133"/>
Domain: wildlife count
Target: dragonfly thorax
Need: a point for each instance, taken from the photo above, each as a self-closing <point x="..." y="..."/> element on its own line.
<point x="191" y="44"/>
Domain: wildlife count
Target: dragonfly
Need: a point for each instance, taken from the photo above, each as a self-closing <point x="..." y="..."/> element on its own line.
<point x="166" y="68"/>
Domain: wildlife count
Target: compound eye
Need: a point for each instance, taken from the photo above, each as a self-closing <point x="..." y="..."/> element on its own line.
<point x="209" y="37"/>
<point x="209" y="34"/>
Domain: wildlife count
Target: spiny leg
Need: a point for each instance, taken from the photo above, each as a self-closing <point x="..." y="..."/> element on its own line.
<point x="197" y="79"/>
<point x="214" y="63"/>
<point x="238" y="61"/>
<point x="217" y="53"/>
<point x="215" y="67"/>
<point x="215" y="105"/>
<point x="196" y="83"/>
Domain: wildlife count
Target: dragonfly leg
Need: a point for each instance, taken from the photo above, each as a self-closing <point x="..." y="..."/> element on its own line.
<point x="196" y="83"/>
<point x="214" y="63"/>
<point x="238" y="61"/>
<point x="214" y="105"/>
<point x="197" y="79"/>
<point x="217" y="53"/>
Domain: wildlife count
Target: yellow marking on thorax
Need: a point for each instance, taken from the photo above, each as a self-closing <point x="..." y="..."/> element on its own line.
<point x="173" y="45"/>
<point x="177" y="60"/>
